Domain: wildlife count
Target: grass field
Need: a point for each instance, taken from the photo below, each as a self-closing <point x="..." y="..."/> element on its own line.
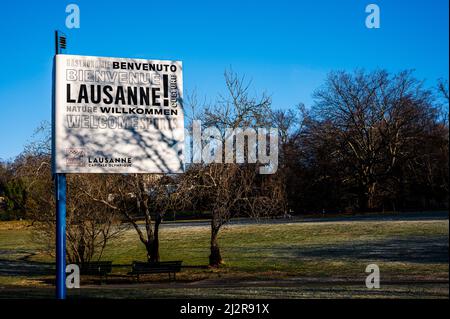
<point x="288" y="260"/>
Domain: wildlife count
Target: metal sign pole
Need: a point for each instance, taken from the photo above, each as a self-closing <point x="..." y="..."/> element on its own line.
<point x="60" y="183"/>
<point x="60" y="192"/>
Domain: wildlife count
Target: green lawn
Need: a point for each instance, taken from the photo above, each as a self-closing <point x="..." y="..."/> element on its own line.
<point x="277" y="259"/>
<point x="260" y="250"/>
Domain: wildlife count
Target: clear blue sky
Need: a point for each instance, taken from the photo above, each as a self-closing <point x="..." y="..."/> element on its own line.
<point x="286" y="48"/>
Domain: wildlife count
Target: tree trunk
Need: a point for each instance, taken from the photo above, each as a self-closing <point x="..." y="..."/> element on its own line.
<point x="215" y="259"/>
<point x="371" y="199"/>
<point x="362" y="199"/>
<point x="153" y="250"/>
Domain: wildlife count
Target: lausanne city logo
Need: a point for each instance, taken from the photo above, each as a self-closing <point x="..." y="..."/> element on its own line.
<point x="75" y="156"/>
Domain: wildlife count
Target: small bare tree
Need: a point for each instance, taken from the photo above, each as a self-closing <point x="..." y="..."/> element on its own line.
<point x="137" y="197"/>
<point x="231" y="189"/>
<point x="89" y="226"/>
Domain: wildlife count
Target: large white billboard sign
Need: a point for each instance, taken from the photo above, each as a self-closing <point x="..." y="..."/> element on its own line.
<point x="115" y="115"/>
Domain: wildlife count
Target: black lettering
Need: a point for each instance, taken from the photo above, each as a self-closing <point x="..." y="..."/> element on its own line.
<point x="155" y="96"/>
<point x="120" y="95"/>
<point x="166" y="89"/>
<point x="83" y="94"/>
<point x="69" y="100"/>
<point x="94" y="99"/>
<point x="132" y="95"/>
<point x="144" y="96"/>
<point x="106" y="90"/>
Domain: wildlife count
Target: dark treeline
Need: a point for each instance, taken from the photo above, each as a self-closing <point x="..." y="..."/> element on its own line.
<point x="372" y="141"/>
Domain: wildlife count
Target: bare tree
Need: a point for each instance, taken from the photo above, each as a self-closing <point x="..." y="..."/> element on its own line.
<point x="443" y="89"/>
<point x="89" y="226"/>
<point x="230" y="189"/>
<point x="374" y="121"/>
<point x="138" y="197"/>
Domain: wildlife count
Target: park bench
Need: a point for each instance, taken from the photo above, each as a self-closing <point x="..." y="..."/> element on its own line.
<point x="143" y="268"/>
<point x="96" y="268"/>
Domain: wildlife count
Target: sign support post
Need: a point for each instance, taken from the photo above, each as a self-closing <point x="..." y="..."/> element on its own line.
<point x="60" y="192"/>
<point x="60" y="184"/>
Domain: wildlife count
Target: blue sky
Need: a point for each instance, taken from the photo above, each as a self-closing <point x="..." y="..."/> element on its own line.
<point x="285" y="47"/>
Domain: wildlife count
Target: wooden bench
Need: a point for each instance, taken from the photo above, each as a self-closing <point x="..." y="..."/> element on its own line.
<point x="143" y="268"/>
<point x="96" y="268"/>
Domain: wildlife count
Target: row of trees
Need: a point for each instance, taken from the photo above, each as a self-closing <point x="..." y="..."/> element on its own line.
<point x="372" y="141"/>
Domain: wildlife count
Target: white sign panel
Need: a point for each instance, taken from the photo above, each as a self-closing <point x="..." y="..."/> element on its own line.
<point x="115" y="115"/>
